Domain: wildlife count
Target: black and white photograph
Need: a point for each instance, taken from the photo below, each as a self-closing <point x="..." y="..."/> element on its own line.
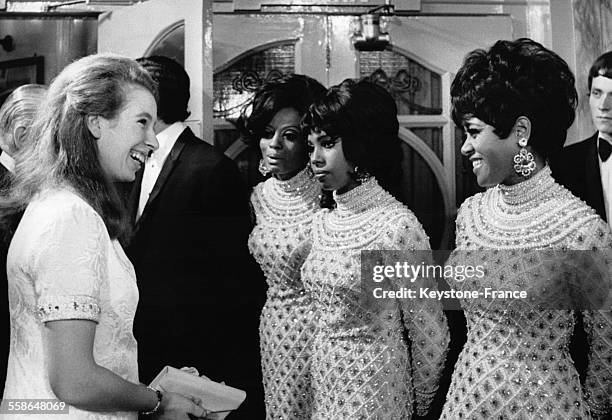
<point x="305" y="209"/>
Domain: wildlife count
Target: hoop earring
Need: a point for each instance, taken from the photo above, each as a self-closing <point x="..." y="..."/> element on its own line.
<point x="360" y="175"/>
<point x="524" y="163"/>
<point x="263" y="169"/>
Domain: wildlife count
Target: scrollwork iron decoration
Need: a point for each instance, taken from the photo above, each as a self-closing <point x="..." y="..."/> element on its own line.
<point x="405" y="83"/>
<point x="402" y="82"/>
<point x="250" y="80"/>
<point x="402" y="87"/>
<point x="245" y="84"/>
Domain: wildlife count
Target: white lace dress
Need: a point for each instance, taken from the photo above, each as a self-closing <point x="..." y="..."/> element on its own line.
<point x="61" y="265"/>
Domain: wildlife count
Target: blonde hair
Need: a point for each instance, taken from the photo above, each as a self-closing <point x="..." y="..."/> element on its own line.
<point x="63" y="150"/>
<point x="18" y="111"/>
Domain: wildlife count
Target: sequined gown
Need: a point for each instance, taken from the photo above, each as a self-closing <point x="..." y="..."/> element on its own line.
<point x="516" y="362"/>
<point x="280" y="242"/>
<point x="361" y="368"/>
<point x="63" y="265"/>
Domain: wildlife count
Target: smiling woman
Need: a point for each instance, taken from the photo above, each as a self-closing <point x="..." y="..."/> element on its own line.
<point x="125" y="141"/>
<point x="72" y="290"/>
<point x="516" y="101"/>
<point x="492" y="156"/>
<point x="505" y="110"/>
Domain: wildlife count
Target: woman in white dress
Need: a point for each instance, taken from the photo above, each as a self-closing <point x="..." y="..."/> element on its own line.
<point x="72" y="291"/>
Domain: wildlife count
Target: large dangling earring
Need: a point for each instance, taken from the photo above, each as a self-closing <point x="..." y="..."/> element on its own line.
<point x="361" y="176"/>
<point x="263" y="169"/>
<point x="524" y="163"/>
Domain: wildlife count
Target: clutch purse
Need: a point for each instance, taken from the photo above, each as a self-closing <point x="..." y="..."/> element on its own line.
<point x="216" y="397"/>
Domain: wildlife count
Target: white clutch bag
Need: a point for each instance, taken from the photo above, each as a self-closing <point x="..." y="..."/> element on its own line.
<point x="216" y="397"/>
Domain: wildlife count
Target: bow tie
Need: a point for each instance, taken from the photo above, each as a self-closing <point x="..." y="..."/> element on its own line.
<point x="604" y="149"/>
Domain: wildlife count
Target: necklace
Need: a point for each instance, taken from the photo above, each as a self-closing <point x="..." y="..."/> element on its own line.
<point x="288" y="202"/>
<point x="358" y="217"/>
<point x="536" y="213"/>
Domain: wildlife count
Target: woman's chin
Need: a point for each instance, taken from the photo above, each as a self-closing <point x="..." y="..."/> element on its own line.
<point x="483" y="180"/>
<point x="127" y="177"/>
<point x="275" y="170"/>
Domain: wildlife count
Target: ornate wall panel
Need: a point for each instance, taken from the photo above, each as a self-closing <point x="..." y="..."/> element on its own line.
<point x="416" y="89"/>
<point x="234" y="85"/>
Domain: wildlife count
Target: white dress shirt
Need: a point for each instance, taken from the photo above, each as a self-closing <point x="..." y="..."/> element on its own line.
<point x="7" y="161"/>
<point x="605" y="171"/>
<point x="155" y="162"/>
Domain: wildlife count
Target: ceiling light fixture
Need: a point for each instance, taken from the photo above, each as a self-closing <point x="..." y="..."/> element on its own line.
<point x="369" y="30"/>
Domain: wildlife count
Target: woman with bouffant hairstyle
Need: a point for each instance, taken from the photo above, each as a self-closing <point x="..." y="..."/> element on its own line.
<point x="516" y="101"/>
<point x="284" y="206"/>
<point x="365" y="116"/>
<point x="72" y="290"/>
<point x="363" y="366"/>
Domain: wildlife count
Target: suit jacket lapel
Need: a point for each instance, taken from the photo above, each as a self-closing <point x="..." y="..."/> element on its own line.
<point x="166" y="170"/>
<point x="4" y="171"/>
<point x="594" y="189"/>
<point x="134" y="197"/>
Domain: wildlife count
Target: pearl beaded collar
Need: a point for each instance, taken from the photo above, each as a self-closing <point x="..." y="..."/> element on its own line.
<point x="358" y="217"/>
<point x="535" y="213"/>
<point x="529" y="190"/>
<point x="288" y="202"/>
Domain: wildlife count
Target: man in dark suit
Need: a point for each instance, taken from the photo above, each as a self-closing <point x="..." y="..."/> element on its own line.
<point x="16" y="117"/>
<point x="200" y="291"/>
<point x="585" y="167"/>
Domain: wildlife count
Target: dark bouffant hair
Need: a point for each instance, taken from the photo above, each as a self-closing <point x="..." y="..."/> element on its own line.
<point x="601" y="67"/>
<point x="172" y="86"/>
<point x="513" y="79"/>
<point x="364" y="116"/>
<point x="291" y="91"/>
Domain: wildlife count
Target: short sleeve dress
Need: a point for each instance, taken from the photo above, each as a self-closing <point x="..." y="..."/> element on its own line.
<point x="63" y="265"/>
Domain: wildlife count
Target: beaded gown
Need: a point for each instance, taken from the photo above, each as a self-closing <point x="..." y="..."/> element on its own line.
<point x="280" y="242"/>
<point x="361" y="368"/>
<point x="516" y="362"/>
